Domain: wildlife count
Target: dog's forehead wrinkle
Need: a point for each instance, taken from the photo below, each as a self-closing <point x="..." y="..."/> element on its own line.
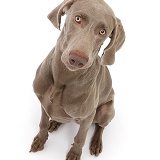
<point x="89" y="28"/>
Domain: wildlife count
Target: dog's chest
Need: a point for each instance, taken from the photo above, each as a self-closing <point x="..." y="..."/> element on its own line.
<point x="64" y="103"/>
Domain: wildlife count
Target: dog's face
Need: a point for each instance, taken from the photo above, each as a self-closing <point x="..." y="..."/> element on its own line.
<point x="87" y="26"/>
<point x="85" y="32"/>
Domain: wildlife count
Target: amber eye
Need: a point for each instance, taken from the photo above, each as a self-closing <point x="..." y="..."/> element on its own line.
<point x="102" y="32"/>
<point x="78" y="19"/>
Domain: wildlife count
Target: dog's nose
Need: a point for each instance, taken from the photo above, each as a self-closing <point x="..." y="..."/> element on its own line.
<point x="77" y="59"/>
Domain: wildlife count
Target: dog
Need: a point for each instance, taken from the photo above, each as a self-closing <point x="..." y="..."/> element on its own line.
<point x="73" y="82"/>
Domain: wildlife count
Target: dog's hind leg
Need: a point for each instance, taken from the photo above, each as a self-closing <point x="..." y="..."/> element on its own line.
<point x="104" y="115"/>
<point x="42" y="136"/>
<point x="53" y="126"/>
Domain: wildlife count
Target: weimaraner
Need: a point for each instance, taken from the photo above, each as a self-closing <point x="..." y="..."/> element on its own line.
<point x="73" y="82"/>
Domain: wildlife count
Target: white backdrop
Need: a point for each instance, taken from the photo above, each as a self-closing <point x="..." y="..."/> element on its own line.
<point x="26" y="37"/>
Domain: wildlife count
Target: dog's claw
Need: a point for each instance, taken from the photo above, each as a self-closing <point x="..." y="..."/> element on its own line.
<point x="53" y="126"/>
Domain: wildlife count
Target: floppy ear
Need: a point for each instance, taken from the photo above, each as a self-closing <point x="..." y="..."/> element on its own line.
<point x="116" y="42"/>
<point x="55" y="15"/>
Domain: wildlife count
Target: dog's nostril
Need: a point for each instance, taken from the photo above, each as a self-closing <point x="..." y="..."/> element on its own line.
<point x="80" y="65"/>
<point x="72" y="61"/>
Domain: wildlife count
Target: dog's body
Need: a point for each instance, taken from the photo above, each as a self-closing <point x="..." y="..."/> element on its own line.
<point x="71" y="83"/>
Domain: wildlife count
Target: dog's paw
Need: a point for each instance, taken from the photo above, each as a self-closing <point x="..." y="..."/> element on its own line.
<point x="96" y="146"/>
<point x="74" y="154"/>
<point x="38" y="143"/>
<point x="53" y="126"/>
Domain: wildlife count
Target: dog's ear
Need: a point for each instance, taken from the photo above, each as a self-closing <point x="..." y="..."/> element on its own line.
<point x="55" y="15"/>
<point x="116" y="42"/>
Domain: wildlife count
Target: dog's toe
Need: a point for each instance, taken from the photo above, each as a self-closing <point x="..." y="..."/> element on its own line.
<point x="53" y="126"/>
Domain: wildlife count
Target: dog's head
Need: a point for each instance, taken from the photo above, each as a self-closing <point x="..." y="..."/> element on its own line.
<point x="88" y="24"/>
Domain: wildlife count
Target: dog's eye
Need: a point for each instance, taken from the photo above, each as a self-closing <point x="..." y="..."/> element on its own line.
<point x="102" y="32"/>
<point x="78" y="19"/>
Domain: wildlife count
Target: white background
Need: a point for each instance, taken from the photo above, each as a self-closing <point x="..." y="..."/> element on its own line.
<point x="27" y="36"/>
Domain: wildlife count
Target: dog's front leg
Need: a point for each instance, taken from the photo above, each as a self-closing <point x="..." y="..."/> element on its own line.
<point x="42" y="136"/>
<point x="79" y="140"/>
